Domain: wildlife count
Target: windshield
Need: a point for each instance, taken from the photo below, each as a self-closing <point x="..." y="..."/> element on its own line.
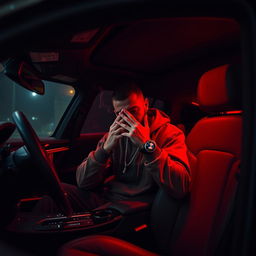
<point x="43" y="111"/>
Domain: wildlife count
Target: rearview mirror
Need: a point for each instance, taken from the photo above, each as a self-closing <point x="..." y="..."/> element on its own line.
<point x="24" y="74"/>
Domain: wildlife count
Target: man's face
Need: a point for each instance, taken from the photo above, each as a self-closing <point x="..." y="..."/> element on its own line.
<point x="135" y="104"/>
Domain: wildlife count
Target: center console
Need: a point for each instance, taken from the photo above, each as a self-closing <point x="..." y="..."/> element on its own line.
<point x="77" y="221"/>
<point x="121" y="215"/>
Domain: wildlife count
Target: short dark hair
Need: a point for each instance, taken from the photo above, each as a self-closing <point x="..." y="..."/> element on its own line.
<point x="125" y="89"/>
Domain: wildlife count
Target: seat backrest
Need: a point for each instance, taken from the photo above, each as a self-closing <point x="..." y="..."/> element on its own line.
<point x="214" y="146"/>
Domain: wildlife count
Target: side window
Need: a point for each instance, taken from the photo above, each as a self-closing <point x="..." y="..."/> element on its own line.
<point x="101" y="114"/>
<point x="43" y="111"/>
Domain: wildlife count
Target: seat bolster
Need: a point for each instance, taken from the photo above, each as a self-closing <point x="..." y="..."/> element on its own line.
<point x="102" y="245"/>
<point x="220" y="133"/>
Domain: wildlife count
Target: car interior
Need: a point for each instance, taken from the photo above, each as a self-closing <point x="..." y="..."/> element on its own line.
<point x="189" y="60"/>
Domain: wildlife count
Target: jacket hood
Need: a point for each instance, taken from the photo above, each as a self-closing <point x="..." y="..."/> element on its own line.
<point x="156" y="119"/>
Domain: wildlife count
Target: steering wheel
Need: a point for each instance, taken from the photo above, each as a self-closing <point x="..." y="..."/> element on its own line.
<point x="42" y="161"/>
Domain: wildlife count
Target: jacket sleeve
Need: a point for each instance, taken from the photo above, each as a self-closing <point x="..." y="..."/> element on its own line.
<point x="169" y="164"/>
<point x="94" y="169"/>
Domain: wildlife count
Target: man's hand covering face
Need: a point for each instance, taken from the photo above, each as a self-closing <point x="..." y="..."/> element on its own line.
<point x="114" y="135"/>
<point x="138" y="133"/>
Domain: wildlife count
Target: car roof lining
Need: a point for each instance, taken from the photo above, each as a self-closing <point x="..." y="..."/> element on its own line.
<point x="109" y="57"/>
<point x="86" y="64"/>
<point x="157" y="45"/>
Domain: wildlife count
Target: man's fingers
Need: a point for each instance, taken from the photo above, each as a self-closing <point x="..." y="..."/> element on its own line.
<point x="113" y="127"/>
<point x="127" y="120"/>
<point x="125" y="134"/>
<point x="119" y="130"/>
<point x="125" y="126"/>
<point x="114" y="122"/>
<point x="118" y="118"/>
<point x="129" y="115"/>
<point x="146" y="120"/>
<point x="117" y="125"/>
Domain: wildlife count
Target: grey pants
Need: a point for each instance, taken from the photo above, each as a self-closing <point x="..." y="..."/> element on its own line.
<point x="80" y="200"/>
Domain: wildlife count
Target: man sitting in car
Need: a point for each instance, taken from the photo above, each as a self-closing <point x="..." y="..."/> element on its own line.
<point x="141" y="152"/>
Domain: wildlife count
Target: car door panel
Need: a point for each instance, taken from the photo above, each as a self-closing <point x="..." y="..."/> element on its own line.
<point x="67" y="161"/>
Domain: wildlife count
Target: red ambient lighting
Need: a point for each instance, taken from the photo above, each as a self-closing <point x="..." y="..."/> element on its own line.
<point x="195" y="103"/>
<point x="234" y="112"/>
<point x="30" y="199"/>
<point x="141" y="227"/>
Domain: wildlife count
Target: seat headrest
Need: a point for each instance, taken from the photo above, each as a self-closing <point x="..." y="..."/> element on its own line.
<point x="220" y="89"/>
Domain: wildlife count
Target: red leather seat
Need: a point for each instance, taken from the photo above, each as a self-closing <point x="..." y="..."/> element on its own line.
<point x="214" y="146"/>
<point x="102" y="245"/>
<point x="215" y="153"/>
